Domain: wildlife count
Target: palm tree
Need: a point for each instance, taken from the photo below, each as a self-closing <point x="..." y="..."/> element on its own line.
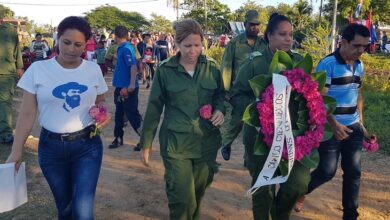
<point x="175" y="4"/>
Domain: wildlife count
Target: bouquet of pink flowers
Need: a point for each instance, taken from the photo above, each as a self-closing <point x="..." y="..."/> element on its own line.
<point x="206" y="112"/>
<point x="100" y="115"/>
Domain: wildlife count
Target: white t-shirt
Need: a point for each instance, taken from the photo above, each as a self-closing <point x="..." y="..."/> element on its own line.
<point x="64" y="96"/>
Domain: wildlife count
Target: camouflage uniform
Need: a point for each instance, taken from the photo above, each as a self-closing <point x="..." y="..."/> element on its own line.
<point x="10" y="61"/>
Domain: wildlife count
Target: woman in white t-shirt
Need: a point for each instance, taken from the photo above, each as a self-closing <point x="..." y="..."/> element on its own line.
<point x="62" y="90"/>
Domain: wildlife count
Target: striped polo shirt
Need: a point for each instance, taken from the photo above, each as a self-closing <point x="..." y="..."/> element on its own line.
<point x="343" y="84"/>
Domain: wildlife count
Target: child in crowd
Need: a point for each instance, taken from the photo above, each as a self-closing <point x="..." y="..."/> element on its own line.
<point x="100" y="57"/>
<point x="27" y="57"/>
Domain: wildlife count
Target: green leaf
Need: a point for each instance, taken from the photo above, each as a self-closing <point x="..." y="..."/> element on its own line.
<point x="312" y="160"/>
<point x="330" y="104"/>
<point x="320" y="78"/>
<point x="260" y="148"/>
<point x="328" y="132"/>
<point x="283" y="167"/>
<point x="280" y="62"/>
<point x="297" y="132"/>
<point x="259" y="83"/>
<point x="306" y="64"/>
<point x="285" y="59"/>
<point x="251" y="116"/>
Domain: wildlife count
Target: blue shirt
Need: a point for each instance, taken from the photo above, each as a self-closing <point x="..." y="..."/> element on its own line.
<point x="125" y="59"/>
<point x="344" y="84"/>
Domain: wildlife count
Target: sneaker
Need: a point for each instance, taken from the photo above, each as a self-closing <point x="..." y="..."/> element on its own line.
<point x="8" y="139"/>
<point x="147" y="85"/>
<point x="116" y="143"/>
<point x="299" y="205"/>
<point x="225" y="151"/>
<point x="137" y="147"/>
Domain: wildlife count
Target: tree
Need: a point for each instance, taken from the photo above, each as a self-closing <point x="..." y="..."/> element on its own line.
<point x="300" y="16"/>
<point x="175" y="4"/>
<point x="6" y="12"/>
<point x="218" y="15"/>
<point x="380" y="10"/>
<point x="160" y="23"/>
<point x="109" y="17"/>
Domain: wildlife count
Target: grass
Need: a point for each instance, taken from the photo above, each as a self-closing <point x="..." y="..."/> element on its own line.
<point x="377" y="117"/>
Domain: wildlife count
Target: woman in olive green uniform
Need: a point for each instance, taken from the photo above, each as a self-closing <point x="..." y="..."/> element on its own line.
<point x="266" y="203"/>
<point x="188" y="144"/>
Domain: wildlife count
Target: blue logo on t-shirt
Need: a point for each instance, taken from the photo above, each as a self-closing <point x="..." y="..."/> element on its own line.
<point x="71" y="93"/>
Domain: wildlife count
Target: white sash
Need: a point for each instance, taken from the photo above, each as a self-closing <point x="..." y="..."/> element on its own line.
<point x="282" y="131"/>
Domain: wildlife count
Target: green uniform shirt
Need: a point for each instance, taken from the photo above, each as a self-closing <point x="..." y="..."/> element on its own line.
<point x="10" y="54"/>
<point x="183" y="133"/>
<point x="236" y="52"/>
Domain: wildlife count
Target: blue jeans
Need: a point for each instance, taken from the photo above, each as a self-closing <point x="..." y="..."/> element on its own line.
<point x="128" y="107"/>
<point x="350" y="151"/>
<point x="72" y="171"/>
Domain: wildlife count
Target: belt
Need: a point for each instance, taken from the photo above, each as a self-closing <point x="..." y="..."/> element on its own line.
<point x="74" y="136"/>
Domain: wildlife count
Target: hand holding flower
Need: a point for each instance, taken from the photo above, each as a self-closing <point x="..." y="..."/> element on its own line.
<point x="218" y="118"/>
<point x="370" y="142"/>
<point x="100" y="115"/>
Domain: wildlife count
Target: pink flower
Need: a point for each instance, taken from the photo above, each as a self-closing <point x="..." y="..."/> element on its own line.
<point x="371" y="145"/>
<point x="206" y="111"/>
<point x="98" y="113"/>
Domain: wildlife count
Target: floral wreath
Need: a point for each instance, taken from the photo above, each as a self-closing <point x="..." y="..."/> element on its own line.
<point x="308" y="109"/>
<point x="302" y="84"/>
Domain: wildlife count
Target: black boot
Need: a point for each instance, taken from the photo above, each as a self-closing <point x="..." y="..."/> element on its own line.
<point x="116" y="143"/>
<point x="137" y="148"/>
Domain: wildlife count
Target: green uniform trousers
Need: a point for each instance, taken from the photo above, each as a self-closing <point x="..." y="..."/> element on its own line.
<point x="7" y="88"/>
<point x="186" y="182"/>
<point x="268" y="204"/>
<point x="233" y="127"/>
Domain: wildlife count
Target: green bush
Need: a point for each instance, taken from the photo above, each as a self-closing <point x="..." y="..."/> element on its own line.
<point x="376" y="64"/>
<point x="215" y="52"/>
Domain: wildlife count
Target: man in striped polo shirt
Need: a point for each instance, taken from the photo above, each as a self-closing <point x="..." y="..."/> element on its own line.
<point x="344" y="73"/>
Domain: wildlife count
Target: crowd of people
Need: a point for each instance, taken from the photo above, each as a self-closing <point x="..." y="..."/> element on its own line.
<point x="191" y="92"/>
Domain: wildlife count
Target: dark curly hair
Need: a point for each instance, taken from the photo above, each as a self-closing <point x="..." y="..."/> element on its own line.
<point x="75" y="22"/>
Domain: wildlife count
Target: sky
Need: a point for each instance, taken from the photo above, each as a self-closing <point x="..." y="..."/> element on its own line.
<point x="53" y="11"/>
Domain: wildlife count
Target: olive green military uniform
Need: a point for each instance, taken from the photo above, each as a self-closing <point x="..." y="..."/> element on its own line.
<point x="188" y="144"/>
<point x="10" y="61"/>
<point x="265" y="204"/>
<point x="236" y="52"/>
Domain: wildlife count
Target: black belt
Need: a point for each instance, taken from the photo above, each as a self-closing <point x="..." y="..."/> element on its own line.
<point x="74" y="136"/>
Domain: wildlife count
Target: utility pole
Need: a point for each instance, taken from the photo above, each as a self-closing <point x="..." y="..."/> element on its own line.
<point x="334" y="25"/>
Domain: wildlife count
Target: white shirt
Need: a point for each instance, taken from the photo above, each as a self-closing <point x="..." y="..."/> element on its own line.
<point x="64" y="96"/>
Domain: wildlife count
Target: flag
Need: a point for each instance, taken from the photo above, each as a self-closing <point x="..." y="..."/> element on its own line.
<point x="357" y="10"/>
<point x="374" y="38"/>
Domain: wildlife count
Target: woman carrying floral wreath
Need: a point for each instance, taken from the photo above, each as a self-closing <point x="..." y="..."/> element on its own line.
<point x="266" y="203"/>
<point x="189" y="88"/>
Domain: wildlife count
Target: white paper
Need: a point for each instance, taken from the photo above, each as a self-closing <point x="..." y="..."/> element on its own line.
<point x="13" y="186"/>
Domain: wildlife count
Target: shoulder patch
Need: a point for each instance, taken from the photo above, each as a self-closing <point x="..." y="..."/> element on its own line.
<point x="255" y="54"/>
<point x="294" y="51"/>
<point x="211" y="60"/>
<point x="165" y="61"/>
